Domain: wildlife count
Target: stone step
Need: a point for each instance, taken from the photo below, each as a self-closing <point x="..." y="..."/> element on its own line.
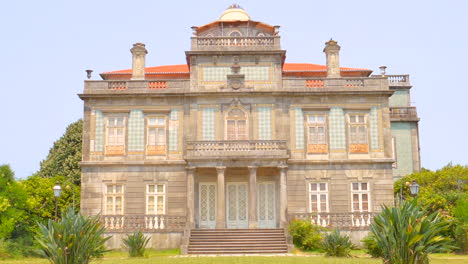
<point x="257" y="246"/>
<point x="238" y="242"/>
<point x="209" y="252"/>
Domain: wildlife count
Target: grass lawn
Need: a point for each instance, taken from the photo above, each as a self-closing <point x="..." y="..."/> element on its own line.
<point x="170" y="257"/>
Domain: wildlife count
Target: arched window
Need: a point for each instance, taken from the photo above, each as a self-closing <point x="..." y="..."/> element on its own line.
<point x="236" y="125"/>
<point x="235" y="34"/>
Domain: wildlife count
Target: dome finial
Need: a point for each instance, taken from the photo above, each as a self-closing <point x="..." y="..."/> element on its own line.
<point x="234" y="13"/>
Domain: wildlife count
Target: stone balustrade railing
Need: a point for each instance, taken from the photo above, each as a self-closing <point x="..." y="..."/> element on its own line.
<point x="183" y="86"/>
<point x="396" y="80"/>
<point x="345" y="221"/>
<point x="147" y="223"/>
<point x="403" y="113"/>
<point x="240" y="148"/>
<point x="235" y="43"/>
<point x="133" y="86"/>
<point x="334" y="84"/>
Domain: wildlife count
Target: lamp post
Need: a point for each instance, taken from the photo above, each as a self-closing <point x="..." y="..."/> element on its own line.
<point x="57" y="191"/>
<point x="414" y="188"/>
<point x="401" y="191"/>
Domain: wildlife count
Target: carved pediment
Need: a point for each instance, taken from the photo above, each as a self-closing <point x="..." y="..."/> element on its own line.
<point x="236" y="102"/>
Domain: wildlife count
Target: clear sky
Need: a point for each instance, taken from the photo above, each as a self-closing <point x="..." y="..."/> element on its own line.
<point x="46" y="46"/>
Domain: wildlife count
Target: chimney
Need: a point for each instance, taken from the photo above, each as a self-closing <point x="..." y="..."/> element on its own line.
<point x="332" y="50"/>
<point x="138" y="61"/>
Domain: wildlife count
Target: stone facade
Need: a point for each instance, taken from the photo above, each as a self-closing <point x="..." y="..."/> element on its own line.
<point x="237" y="138"/>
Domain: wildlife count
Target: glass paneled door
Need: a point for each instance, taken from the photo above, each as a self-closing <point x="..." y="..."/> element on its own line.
<point x="266" y="205"/>
<point x="207" y="205"/>
<point x="236" y="204"/>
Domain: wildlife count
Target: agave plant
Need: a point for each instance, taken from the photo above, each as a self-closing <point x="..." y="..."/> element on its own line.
<point x="407" y="235"/>
<point x="136" y="244"/>
<point x="336" y="245"/>
<point x="75" y="239"/>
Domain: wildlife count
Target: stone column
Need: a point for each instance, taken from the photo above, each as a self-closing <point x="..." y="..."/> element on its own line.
<point x="253" y="222"/>
<point x="332" y="51"/>
<point x="283" y="196"/>
<point x="221" y="210"/>
<point x="138" y="61"/>
<point x="190" y="197"/>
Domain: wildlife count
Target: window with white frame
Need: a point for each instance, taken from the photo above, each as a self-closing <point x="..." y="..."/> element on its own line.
<point x="115" y="135"/>
<point x="358" y="138"/>
<point x="156" y="135"/>
<point x="360" y="195"/>
<point x="114" y="199"/>
<point x="155" y="199"/>
<point x="317" y="134"/>
<point x="318" y="195"/>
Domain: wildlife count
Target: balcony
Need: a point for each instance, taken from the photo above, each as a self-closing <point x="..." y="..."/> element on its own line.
<point x="235" y="43"/>
<point x="144" y="223"/>
<point x="236" y="149"/>
<point x="136" y="87"/>
<point x="340" y="221"/>
<point x="403" y="114"/>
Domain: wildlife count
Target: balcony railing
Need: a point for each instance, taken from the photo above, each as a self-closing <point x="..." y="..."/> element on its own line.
<point x="143" y="86"/>
<point x="351" y="220"/>
<point x="236" y="148"/>
<point x="334" y="84"/>
<point x="235" y="43"/>
<point x="146" y="223"/>
<point x="403" y="114"/>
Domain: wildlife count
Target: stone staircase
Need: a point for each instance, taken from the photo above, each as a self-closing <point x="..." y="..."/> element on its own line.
<point x="237" y="241"/>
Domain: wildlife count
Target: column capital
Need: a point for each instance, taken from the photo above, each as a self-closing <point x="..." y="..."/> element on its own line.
<point x="190" y="168"/>
<point x="282" y="167"/>
<point x="220" y="169"/>
<point x="252" y="168"/>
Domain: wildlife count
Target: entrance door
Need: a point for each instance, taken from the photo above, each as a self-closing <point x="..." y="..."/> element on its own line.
<point x="236" y="204"/>
<point x="266" y="205"/>
<point x="207" y="205"/>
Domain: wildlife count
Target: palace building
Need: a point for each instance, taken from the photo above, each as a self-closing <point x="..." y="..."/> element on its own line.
<point x="231" y="146"/>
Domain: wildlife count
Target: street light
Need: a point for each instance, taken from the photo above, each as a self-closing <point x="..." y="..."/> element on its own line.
<point x="57" y="191"/>
<point x="414" y="188"/>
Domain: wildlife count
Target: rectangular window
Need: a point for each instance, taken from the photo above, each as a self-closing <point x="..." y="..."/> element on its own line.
<point x="317" y="134"/>
<point x="155" y="199"/>
<point x="156" y="135"/>
<point x="358" y="139"/>
<point x="115" y="135"/>
<point x="360" y="195"/>
<point x="114" y="199"/>
<point x="318" y="193"/>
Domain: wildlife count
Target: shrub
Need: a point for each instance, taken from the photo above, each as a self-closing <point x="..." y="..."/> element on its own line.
<point x="460" y="225"/>
<point x="406" y="234"/>
<point x="306" y="235"/>
<point x="371" y="247"/>
<point x="73" y="239"/>
<point x="336" y="245"/>
<point x="136" y="244"/>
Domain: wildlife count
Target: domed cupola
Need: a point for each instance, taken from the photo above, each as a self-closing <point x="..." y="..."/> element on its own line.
<point x="234" y="13"/>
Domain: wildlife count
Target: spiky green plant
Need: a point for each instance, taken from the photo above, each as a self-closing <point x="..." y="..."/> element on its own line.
<point x="136" y="244"/>
<point x="407" y="235"/>
<point x="336" y="245"/>
<point x="75" y="239"/>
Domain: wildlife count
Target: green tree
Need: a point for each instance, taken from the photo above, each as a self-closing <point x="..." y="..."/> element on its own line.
<point x="64" y="156"/>
<point x="444" y="191"/>
<point x="12" y="203"/>
<point x="407" y="234"/>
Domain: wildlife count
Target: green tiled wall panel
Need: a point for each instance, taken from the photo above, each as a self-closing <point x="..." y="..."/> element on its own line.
<point x="401" y="131"/>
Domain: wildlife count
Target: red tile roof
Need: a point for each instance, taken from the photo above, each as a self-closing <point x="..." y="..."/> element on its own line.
<point x="182" y="71"/>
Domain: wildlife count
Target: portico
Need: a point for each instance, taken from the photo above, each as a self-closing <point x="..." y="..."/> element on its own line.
<point x="236" y="197"/>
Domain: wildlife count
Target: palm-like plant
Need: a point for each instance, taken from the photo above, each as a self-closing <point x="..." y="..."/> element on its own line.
<point x="136" y="244"/>
<point x="75" y="239"/>
<point x="406" y="234"/>
<point x="336" y="245"/>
